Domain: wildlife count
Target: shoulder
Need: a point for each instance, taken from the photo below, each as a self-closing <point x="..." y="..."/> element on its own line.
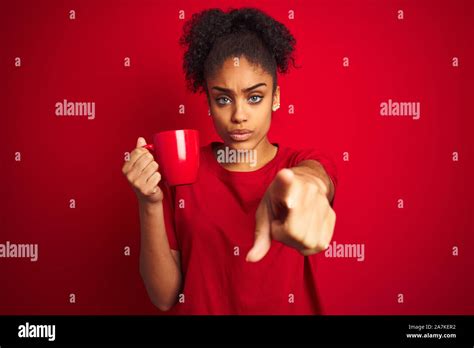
<point x="292" y="155"/>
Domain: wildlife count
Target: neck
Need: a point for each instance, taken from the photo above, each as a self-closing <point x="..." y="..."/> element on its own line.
<point x="247" y="160"/>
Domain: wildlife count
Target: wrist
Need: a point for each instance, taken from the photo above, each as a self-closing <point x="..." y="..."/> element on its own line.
<point x="150" y="207"/>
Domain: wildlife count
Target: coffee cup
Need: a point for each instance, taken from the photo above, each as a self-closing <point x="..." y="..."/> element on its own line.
<point x="177" y="153"/>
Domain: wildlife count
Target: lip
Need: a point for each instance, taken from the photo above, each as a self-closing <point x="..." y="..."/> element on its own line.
<point x="240" y="134"/>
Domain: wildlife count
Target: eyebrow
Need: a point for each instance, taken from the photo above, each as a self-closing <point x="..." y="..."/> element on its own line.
<point x="222" y="89"/>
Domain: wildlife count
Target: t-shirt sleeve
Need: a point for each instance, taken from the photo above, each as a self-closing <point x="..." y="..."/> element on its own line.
<point x="168" y="215"/>
<point x="327" y="163"/>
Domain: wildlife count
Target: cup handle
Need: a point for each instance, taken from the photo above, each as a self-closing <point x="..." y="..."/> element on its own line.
<point x="149" y="147"/>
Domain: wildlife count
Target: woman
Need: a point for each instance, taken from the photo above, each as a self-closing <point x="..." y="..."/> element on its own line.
<point x="242" y="239"/>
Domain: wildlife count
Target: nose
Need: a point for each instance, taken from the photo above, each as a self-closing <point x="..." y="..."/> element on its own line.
<point x="239" y="115"/>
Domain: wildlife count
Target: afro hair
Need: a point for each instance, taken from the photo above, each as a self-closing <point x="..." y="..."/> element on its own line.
<point x="212" y="36"/>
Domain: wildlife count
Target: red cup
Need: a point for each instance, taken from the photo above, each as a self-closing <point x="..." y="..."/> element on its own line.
<point x="177" y="153"/>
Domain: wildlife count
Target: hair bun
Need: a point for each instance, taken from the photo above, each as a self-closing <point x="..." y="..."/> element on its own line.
<point x="209" y="27"/>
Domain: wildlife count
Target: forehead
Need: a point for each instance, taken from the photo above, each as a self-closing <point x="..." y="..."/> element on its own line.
<point x="237" y="73"/>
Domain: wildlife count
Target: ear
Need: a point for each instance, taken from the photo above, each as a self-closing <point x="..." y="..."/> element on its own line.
<point x="276" y="98"/>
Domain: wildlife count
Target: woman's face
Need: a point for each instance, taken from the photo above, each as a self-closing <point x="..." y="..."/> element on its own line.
<point x="240" y="101"/>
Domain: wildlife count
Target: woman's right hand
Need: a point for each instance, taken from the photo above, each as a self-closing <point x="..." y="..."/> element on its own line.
<point x="142" y="173"/>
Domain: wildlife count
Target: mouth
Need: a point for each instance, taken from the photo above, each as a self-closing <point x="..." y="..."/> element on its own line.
<point x="240" y="134"/>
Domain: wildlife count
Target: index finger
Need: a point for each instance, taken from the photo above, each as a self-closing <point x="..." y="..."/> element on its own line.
<point x="135" y="155"/>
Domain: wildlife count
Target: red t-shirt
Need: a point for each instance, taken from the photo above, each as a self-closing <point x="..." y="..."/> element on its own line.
<point x="212" y="224"/>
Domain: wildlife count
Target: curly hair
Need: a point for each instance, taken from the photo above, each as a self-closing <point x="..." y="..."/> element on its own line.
<point x="211" y="36"/>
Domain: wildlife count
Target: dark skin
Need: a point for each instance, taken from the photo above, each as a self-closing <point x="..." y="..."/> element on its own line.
<point x="240" y="97"/>
<point x="295" y="209"/>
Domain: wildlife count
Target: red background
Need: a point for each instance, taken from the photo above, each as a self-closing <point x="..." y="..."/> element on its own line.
<point x="407" y="251"/>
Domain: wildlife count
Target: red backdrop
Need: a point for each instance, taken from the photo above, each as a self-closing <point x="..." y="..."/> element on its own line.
<point x="423" y="251"/>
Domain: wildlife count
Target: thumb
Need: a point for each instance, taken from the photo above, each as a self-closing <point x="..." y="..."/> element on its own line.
<point x="263" y="240"/>
<point x="141" y="142"/>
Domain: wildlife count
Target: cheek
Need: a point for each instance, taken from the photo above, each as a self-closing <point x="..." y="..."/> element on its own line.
<point x="219" y="122"/>
<point x="267" y="124"/>
<point x="216" y="115"/>
<point x="265" y="121"/>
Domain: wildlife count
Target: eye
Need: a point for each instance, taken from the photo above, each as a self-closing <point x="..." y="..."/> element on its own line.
<point x="218" y="100"/>
<point x="256" y="101"/>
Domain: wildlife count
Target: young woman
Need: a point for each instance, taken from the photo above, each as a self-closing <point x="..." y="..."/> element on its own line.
<point x="242" y="239"/>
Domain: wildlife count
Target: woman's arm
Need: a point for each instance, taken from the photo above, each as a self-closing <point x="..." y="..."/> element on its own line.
<point x="160" y="266"/>
<point x="296" y="211"/>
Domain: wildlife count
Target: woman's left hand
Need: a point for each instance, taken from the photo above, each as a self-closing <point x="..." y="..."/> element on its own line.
<point x="295" y="211"/>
